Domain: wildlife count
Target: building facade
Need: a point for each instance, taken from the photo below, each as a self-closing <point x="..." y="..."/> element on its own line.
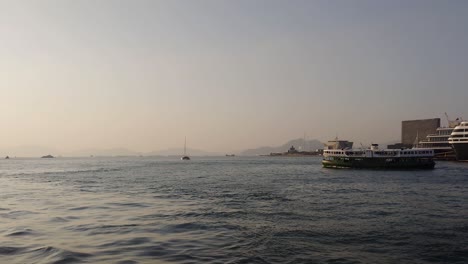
<point x="417" y="130"/>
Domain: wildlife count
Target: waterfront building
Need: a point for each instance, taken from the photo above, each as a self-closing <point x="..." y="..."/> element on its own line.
<point x="412" y="129"/>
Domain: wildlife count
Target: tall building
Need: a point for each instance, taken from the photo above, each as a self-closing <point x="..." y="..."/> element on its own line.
<point x="412" y="129"/>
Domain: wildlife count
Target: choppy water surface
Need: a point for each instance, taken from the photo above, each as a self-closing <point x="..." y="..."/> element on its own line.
<point x="229" y="210"/>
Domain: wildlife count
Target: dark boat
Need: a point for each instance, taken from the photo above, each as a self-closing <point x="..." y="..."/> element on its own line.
<point x="375" y="158"/>
<point x="185" y="157"/>
<point x="47" y="157"/>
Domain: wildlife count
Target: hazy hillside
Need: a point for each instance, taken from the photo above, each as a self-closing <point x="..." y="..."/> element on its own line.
<point x="180" y="151"/>
<point x="299" y="144"/>
<point x="102" y="152"/>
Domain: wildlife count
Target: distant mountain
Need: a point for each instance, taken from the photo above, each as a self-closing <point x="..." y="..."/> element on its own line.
<point x="180" y="151"/>
<point x="38" y="151"/>
<point x="299" y="144"/>
<point x="102" y="152"/>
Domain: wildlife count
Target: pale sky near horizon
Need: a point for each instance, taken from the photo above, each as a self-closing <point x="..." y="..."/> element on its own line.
<point x="229" y="75"/>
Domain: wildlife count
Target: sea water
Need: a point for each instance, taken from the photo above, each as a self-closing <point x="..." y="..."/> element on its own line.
<point x="229" y="210"/>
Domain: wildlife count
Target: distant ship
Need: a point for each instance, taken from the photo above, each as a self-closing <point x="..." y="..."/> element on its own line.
<point x="459" y="141"/>
<point x="185" y="157"/>
<point x="7" y="157"/>
<point x="375" y="158"/>
<point x="48" y="157"/>
<point x="439" y="141"/>
<point x="338" y="144"/>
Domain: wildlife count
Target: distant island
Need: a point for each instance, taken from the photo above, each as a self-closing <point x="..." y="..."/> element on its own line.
<point x="293" y="152"/>
<point x="300" y="147"/>
<point x="47" y="157"/>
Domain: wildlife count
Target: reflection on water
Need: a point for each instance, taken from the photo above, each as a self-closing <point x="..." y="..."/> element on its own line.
<point x="229" y="210"/>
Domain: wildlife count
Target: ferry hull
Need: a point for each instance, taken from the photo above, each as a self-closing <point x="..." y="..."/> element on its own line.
<point x="461" y="151"/>
<point x="379" y="163"/>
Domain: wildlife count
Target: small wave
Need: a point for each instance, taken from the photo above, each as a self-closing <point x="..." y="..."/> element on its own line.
<point x="130" y="204"/>
<point x="341" y="261"/>
<point x="128" y="242"/>
<point x="103" y="229"/>
<point x="17" y="214"/>
<point x="59" y="219"/>
<point x="28" y="173"/>
<point x="27" y="232"/>
<point x="197" y="227"/>
<point x="80" y="208"/>
<point x="58" y="256"/>
<point x="10" y="250"/>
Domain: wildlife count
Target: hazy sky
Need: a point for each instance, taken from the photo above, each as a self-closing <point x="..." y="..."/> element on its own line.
<point x="229" y="75"/>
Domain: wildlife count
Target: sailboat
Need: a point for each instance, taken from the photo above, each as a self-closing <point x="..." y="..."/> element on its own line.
<point x="185" y="157"/>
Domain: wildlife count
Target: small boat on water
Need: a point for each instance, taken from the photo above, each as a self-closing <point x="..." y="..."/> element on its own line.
<point x="375" y="158"/>
<point x="47" y="157"/>
<point x="185" y="157"/>
<point x="7" y="157"/>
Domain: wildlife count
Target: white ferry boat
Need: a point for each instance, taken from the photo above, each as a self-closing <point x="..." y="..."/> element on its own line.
<point x="439" y="141"/>
<point x="375" y="158"/>
<point x="459" y="141"/>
